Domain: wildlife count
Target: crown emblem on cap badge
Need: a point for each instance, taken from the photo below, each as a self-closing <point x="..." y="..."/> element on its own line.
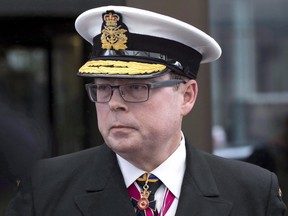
<point x="113" y="34"/>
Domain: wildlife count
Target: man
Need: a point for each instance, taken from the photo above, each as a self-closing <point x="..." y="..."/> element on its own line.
<point x="144" y="67"/>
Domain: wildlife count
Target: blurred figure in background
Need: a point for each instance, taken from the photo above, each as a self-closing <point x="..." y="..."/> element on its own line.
<point x="22" y="143"/>
<point x="274" y="157"/>
<point x="219" y="137"/>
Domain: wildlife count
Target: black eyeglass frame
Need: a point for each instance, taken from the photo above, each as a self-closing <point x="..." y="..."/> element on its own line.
<point x="160" y="84"/>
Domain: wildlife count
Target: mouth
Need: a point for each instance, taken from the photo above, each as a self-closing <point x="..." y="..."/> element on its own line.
<point x="121" y="131"/>
<point x="121" y="127"/>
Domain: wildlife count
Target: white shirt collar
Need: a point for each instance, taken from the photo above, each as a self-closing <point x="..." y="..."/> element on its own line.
<point x="170" y="172"/>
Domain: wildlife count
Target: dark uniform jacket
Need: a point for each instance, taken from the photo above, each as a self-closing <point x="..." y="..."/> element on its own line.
<point x="90" y="183"/>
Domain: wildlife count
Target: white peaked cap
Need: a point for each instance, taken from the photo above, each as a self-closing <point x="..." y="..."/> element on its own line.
<point x="144" y="25"/>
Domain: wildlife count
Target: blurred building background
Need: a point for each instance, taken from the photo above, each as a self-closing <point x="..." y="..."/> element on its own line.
<point x="250" y="82"/>
<point x="243" y="101"/>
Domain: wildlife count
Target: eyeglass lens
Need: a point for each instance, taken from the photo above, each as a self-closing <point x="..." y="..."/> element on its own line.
<point x="132" y="93"/>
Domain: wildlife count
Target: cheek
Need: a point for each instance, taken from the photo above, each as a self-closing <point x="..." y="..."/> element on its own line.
<point x="101" y="117"/>
<point x="163" y="116"/>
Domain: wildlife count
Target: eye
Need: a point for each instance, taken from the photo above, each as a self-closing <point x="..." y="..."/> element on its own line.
<point x="103" y="87"/>
<point x="137" y="87"/>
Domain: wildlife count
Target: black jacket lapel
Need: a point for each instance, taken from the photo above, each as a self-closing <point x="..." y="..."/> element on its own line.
<point x="106" y="195"/>
<point x="199" y="195"/>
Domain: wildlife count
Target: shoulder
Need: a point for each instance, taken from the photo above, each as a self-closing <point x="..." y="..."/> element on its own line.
<point x="238" y="172"/>
<point x="226" y="170"/>
<point x="54" y="182"/>
<point x="68" y="168"/>
<point x="74" y="160"/>
<point x="232" y="165"/>
<point x="229" y="176"/>
<point x="237" y="181"/>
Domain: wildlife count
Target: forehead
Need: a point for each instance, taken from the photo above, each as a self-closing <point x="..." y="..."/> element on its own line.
<point x="125" y="81"/>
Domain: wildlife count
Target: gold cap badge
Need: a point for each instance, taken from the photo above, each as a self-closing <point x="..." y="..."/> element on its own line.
<point x="113" y="32"/>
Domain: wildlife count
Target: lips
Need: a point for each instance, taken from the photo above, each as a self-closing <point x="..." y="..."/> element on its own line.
<point x="119" y="126"/>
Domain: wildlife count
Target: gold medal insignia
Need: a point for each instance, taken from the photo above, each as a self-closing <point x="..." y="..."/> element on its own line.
<point x="113" y="34"/>
<point x="143" y="202"/>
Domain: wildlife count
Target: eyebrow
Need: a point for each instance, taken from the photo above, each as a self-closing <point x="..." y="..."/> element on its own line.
<point x="125" y="80"/>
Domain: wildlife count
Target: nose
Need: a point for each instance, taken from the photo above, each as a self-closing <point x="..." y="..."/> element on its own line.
<point x="121" y="93"/>
<point x="117" y="102"/>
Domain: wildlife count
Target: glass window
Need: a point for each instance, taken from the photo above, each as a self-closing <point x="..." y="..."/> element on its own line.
<point x="250" y="80"/>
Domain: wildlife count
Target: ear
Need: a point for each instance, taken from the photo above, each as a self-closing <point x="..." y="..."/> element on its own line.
<point x="190" y="91"/>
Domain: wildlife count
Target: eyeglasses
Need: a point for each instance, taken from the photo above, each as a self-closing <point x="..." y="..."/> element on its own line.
<point x="134" y="92"/>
